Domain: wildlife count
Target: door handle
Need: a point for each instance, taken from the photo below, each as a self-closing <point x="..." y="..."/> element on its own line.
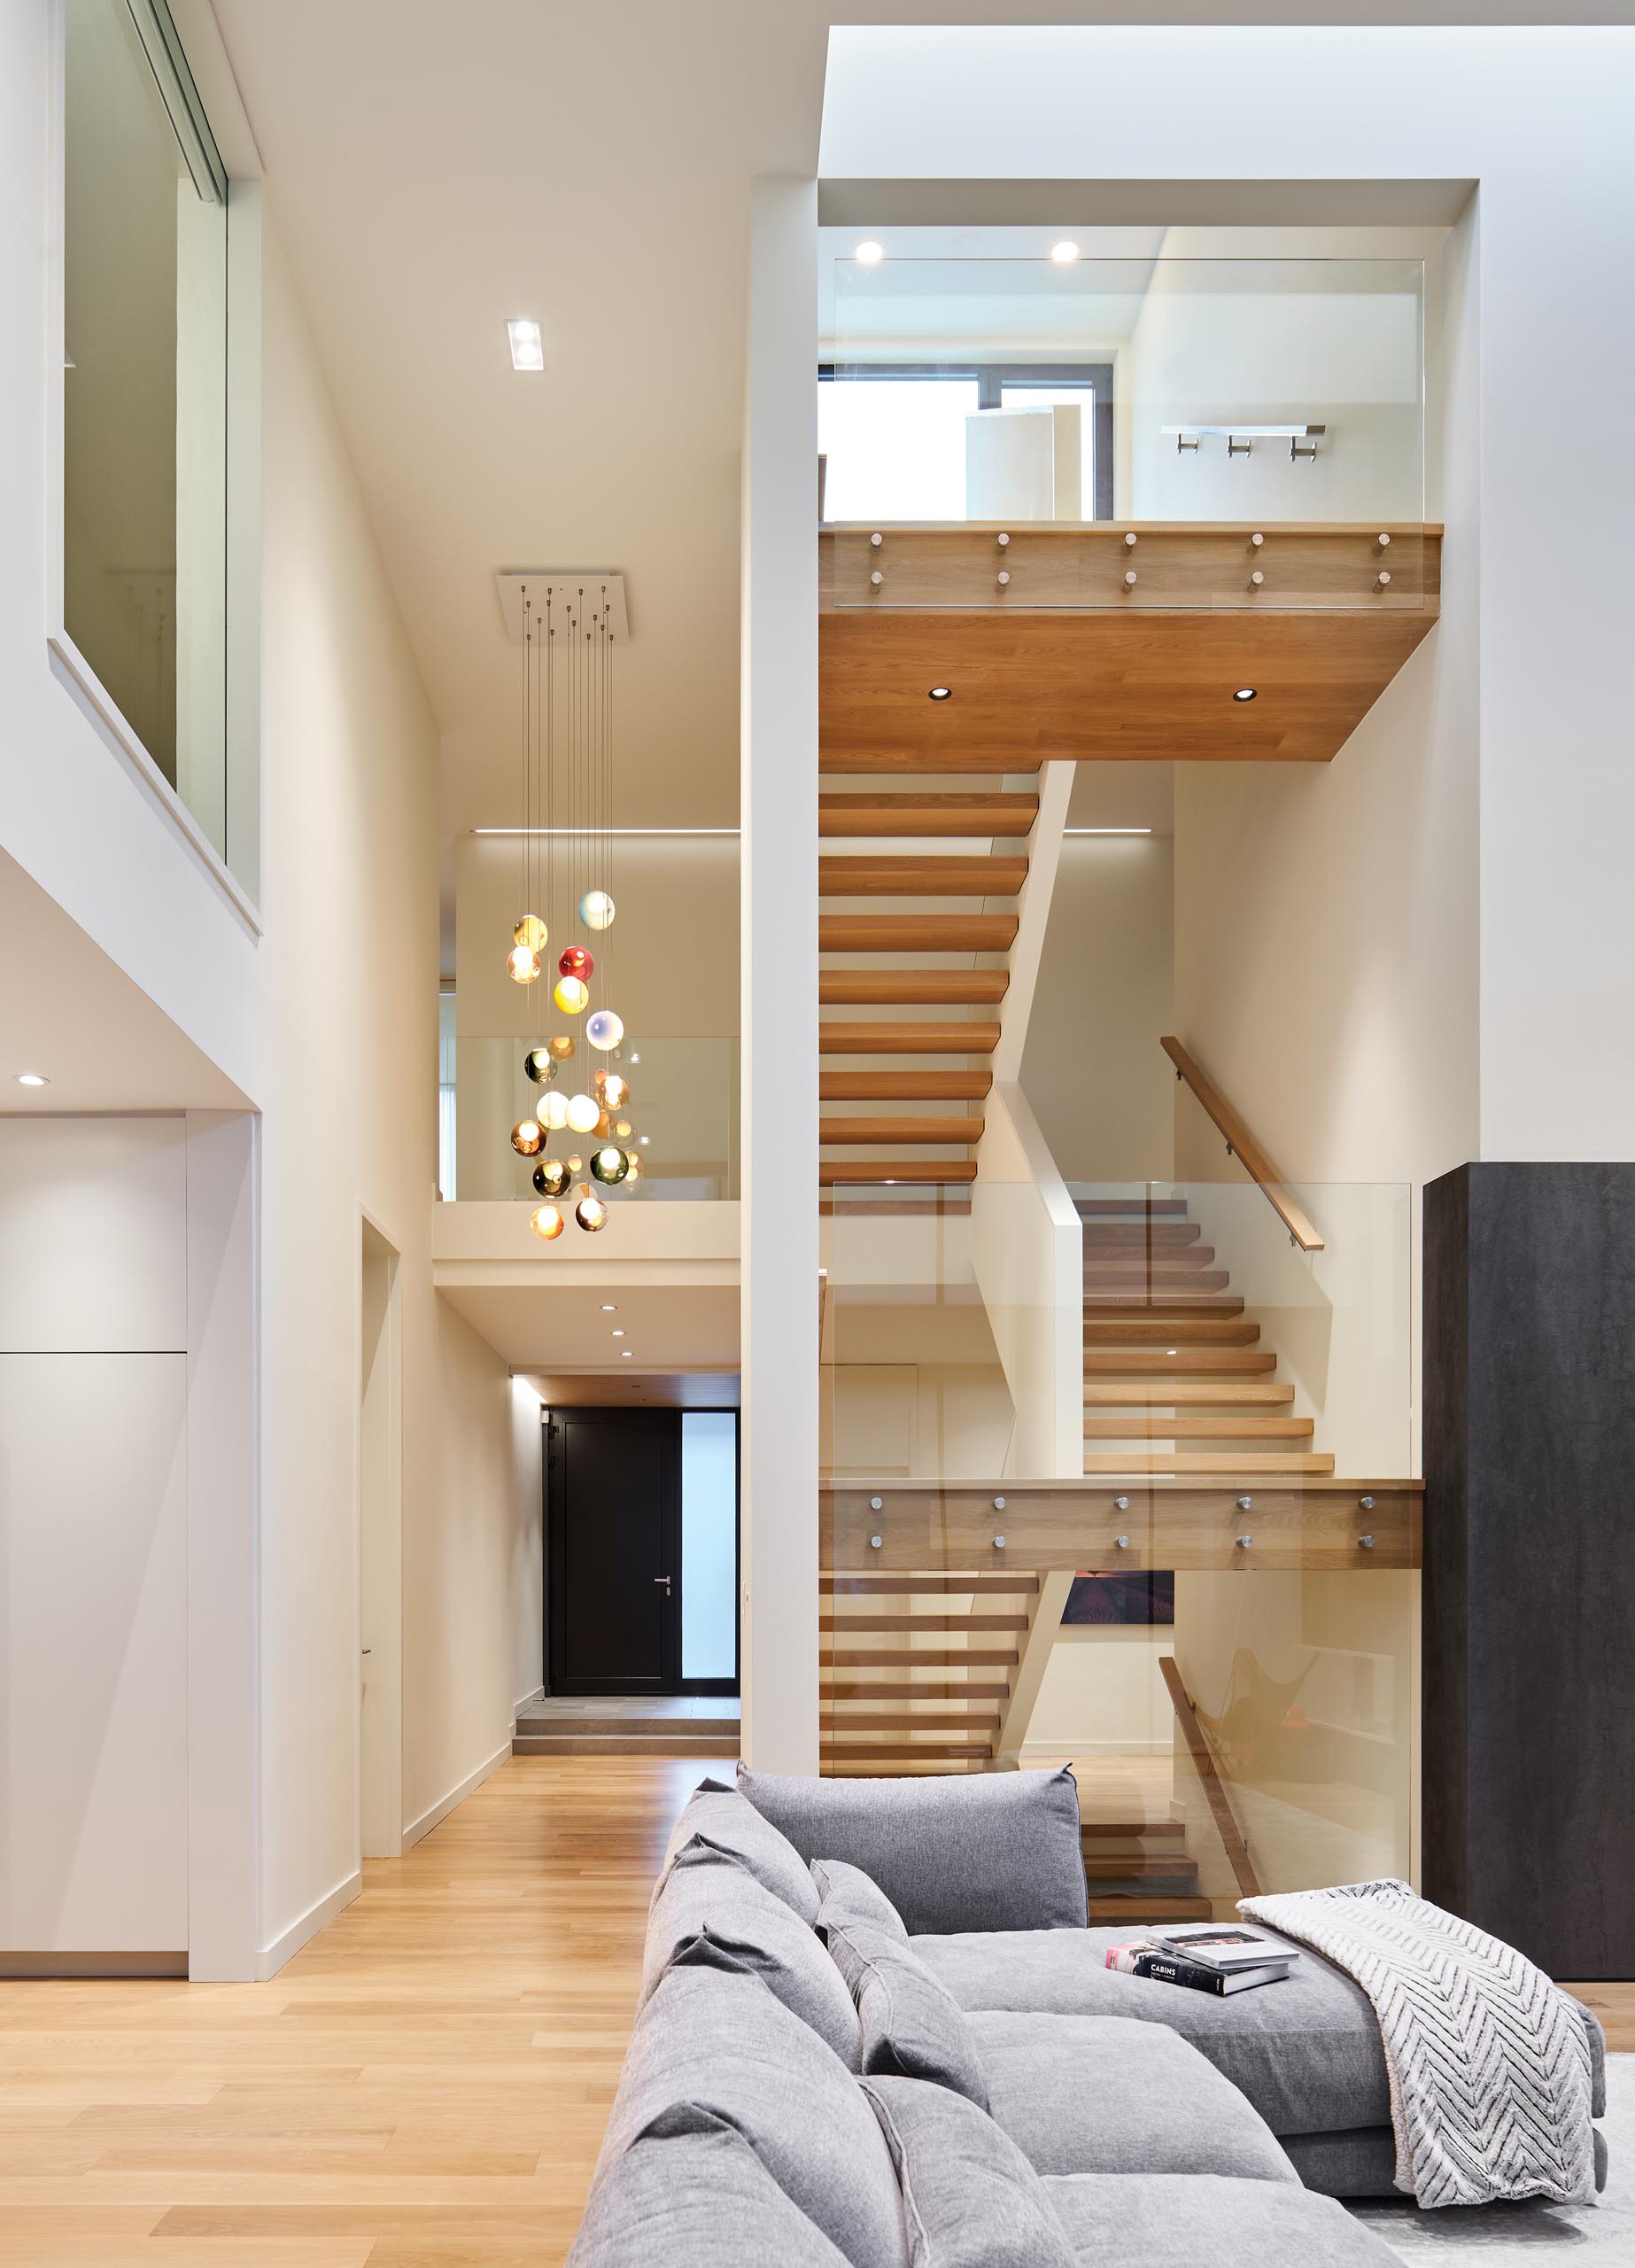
<point x="665" y="1579"/>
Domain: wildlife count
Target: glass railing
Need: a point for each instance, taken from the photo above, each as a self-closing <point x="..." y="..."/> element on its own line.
<point x="1117" y="1475"/>
<point x="681" y="1109"/>
<point x="1282" y="399"/>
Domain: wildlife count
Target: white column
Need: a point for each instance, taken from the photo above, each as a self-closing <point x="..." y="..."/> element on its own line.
<point x="779" y="916"/>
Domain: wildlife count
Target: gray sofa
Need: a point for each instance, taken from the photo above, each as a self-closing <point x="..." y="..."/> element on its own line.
<point x="875" y="2031"/>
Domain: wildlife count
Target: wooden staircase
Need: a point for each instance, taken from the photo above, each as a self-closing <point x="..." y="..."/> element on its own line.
<point x="1170" y="1365"/>
<point x="917" y="1073"/>
<point x="881" y="1712"/>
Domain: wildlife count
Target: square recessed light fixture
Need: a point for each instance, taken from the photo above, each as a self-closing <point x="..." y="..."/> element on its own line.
<point x="527" y="346"/>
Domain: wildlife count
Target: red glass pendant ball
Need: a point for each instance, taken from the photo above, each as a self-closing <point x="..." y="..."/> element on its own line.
<point x="576" y="962"/>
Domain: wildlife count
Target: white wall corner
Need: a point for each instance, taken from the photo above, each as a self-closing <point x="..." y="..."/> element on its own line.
<point x="1028" y="1255"/>
<point x="300" y="1933"/>
<point x="439" y="1811"/>
<point x="1033" y="916"/>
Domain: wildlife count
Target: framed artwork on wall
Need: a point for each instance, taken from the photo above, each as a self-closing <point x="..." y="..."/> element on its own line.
<point x="1145" y="1594"/>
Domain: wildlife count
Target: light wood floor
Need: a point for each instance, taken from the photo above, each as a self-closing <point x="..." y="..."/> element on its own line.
<point x="425" y="2086"/>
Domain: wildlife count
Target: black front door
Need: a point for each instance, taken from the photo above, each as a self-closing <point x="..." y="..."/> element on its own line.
<point x="612" y="1516"/>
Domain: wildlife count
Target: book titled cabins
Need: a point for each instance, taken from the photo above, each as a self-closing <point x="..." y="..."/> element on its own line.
<point x="1204" y="1959"/>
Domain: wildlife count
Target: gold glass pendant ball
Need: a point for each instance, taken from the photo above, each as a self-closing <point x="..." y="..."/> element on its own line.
<point x="541" y="1067"/>
<point x="633" y="1159"/>
<point x="596" y="910"/>
<point x="613" y="1088"/>
<point x="576" y="962"/>
<point x="522" y="966"/>
<point x="582" y="1114"/>
<point x="546" y="1222"/>
<point x="591" y="1213"/>
<point x="609" y="1165"/>
<point x="572" y="995"/>
<point x="621" y="1130"/>
<point x="604" y="1029"/>
<point x="577" y="1165"/>
<point x="551" y="1178"/>
<point x="532" y="932"/>
<point x="561" y="1047"/>
<point x="528" y="1137"/>
<point x="604" y="1123"/>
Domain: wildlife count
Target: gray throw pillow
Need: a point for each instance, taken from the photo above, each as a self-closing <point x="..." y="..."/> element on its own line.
<point x="712" y="1912"/>
<point x="690" y="2193"/>
<point x="992" y="1851"/>
<point x="717" y="1814"/>
<point x="846" y="1894"/>
<point x="912" y="2027"/>
<point x="724" y="2045"/>
<point x="969" y="2197"/>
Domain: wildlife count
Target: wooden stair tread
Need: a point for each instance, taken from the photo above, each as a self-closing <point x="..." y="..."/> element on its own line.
<point x="1159" y="1234"/>
<point x="1179" y="1263"/>
<point x="1206" y="1330"/>
<point x="1167" y="1283"/>
<point x="1124" y="1208"/>
<point x="1139" y="1426"/>
<point x="878" y="1690"/>
<point x="1131" y="1865"/>
<point x="951" y="1623"/>
<point x="1149" y="1909"/>
<point x="903" y="1086"/>
<point x="896" y="762"/>
<point x="912" y="987"/>
<point x="916" y="933"/>
<point x="1214" y="1395"/>
<point x="1178" y="1304"/>
<point x="1230" y="1467"/>
<point x="952" y="811"/>
<point x="1146" y="1363"/>
<point x="949" y="1038"/>
<point x="981" y="1722"/>
<point x="930" y="1657"/>
<point x="1168" y="1830"/>
<point x="871" y="1171"/>
<point x="847" y="1751"/>
<point x="903" y="875"/>
<point x="895" y="1586"/>
<point x="949" y="1132"/>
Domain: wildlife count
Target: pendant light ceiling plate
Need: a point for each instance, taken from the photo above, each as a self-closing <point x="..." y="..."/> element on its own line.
<point x="563" y="587"/>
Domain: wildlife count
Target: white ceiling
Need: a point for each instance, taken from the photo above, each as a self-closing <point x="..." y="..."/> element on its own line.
<point x="557" y="1324"/>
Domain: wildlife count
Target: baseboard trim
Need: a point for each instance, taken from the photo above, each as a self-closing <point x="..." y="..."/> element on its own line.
<point x="316" y="1918"/>
<point x="45" y="1965"/>
<point x="441" y="1809"/>
<point x="526" y="1703"/>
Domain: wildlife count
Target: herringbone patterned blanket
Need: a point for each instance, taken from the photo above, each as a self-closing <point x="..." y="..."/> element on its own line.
<point x="1488" y="2061"/>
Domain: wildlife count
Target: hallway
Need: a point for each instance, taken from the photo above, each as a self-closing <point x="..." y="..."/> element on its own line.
<point x="425" y="2085"/>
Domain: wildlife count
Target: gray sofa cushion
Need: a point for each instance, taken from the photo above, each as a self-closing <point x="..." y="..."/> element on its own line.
<point x="969" y="2198"/>
<point x="1362" y="2162"/>
<point x="690" y="2193"/>
<point x="711" y="1911"/>
<point x="996" y="1851"/>
<point x="1306" y="2052"/>
<point x="912" y="2027"/>
<point x="1102" y="2094"/>
<point x="719" y="1815"/>
<point x="845" y="1894"/>
<point x="724" y="2045"/>
<point x="1204" y="2220"/>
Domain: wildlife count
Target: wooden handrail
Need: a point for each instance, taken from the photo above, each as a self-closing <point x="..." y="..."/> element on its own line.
<point x="1215" y="1793"/>
<point x="1242" y="1145"/>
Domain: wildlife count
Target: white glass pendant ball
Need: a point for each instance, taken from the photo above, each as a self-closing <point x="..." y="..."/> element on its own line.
<point x="531" y="933"/>
<point x="554" y="1110"/>
<point x="582" y="1114"/>
<point x="521" y="965"/>
<point x="591" y="1213"/>
<point x="604" y="1029"/>
<point x="546" y="1222"/>
<point x="572" y="995"/>
<point x="596" y="910"/>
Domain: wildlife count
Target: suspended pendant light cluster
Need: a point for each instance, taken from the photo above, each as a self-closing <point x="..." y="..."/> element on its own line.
<point x="568" y="673"/>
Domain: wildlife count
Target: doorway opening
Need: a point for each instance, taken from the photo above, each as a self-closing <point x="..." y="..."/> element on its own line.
<point x="642" y="1561"/>
<point x="380" y="1548"/>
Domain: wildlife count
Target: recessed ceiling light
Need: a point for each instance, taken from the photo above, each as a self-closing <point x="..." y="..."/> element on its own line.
<point x="941" y="693"/>
<point x="32" y="1079"/>
<point x="1244" y="693"/>
<point x="868" y="251"/>
<point x="1065" y="253"/>
<point x="618" y="1335"/>
<point x="527" y="346"/>
<point x="626" y="1355"/>
<point x="609" y="1308"/>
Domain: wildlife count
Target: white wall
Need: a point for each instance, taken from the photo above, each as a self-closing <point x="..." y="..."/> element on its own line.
<point x="1094" y="1073"/>
<point x="1103" y="1695"/>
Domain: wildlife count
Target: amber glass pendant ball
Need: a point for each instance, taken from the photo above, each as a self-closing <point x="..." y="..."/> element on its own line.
<point x="552" y="1178"/>
<point x="609" y="1165"/>
<point x="561" y="1047"/>
<point x="572" y="995"/>
<point x="546" y="1222"/>
<point x="633" y="1159"/>
<point x="532" y="932"/>
<point x="591" y="1213"/>
<point x="621" y="1130"/>
<point x="613" y="1088"/>
<point x="577" y="1165"/>
<point x="528" y="1137"/>
<point x="576" y="962"/>
<point x="521" y="966"/>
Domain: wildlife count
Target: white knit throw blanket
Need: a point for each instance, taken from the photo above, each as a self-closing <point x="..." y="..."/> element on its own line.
<point x="1488" y="2061"/>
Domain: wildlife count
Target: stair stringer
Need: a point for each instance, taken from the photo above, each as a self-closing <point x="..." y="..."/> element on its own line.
<point x="1033" y="916"/>
<point x="1028" y="1256"/>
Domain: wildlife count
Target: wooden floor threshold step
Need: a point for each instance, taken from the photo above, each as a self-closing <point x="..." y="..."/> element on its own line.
<point x="921" y="1038"/>
<point x="903" y="875"/>
<point x="874" y="1171"/>
<point x="952" y="811"/>
<point x="677" y="1742"/>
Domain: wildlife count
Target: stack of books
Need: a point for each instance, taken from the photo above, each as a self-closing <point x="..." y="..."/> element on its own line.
<point x="1211" y="1957"/>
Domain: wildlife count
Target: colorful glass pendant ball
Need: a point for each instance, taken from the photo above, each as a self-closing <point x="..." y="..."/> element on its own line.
<point x="596" y="910"/>
<point x="552" y="1178"/>
<point x="561" y="1047"/>
<point x="575" y="962"/>
<point x="604" y="1029"/>
<point x="572" y="995"/>
<point x="609" y="1165"/>
<point x="546" y="1222"/>
<point x="540" y="1065"/>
